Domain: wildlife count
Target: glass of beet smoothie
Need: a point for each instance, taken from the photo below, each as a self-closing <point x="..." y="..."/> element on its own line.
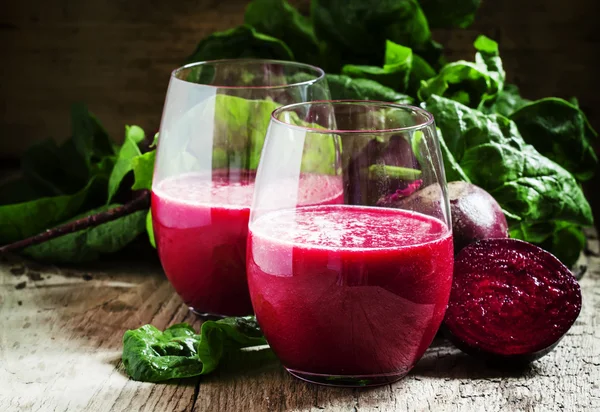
<point x="212" y="131"/>
<point x="350" y="287"/>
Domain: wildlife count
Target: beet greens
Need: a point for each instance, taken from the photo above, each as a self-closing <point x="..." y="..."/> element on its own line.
<point x="371" y="50"/>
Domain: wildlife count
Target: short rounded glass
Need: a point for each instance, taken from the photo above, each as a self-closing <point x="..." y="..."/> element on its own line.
<point x="350" y="243"/>
<point x="211" y="135"/>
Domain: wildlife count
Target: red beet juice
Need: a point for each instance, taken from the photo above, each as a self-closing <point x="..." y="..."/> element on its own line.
<point x="201" y="225"/>
<point x="345" y="290"/>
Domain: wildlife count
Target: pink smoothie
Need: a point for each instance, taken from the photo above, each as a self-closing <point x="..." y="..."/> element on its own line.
<point x="349" y="290"/>
<point x="201" y="226"/>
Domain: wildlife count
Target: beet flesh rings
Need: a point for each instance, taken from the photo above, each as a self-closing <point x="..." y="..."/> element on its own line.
<point x="510" y="300"/>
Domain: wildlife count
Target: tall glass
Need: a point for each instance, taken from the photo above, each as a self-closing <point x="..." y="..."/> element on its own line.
<point x="212" y="132"/>
<point x="350" y="263"/>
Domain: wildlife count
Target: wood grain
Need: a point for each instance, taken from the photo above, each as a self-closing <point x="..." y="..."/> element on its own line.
<point x="117" y="55"/>
<point x="60" y="345"/>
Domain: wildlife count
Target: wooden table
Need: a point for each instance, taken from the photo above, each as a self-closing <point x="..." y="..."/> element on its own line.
<point x="60" y="350"/>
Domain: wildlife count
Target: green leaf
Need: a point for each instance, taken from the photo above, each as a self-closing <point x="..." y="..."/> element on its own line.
<point x="507" y="102"/>
<point x="240" y="128"/>
<point x="21" y="220"/>
<point x="17" y="190"/>
<point x="89" y="244"/>
<point x="103" y="169"/>
<point x="472" y="84"/>
<point x="356" y="31"/>
<point x="143" y="169"/>
<point x="494" y="156"/>
<point x="153" y="356"/>
<point x="453" y="170"/>
<point x="486" y="46"/>
<point x="89" y="137"/>
<point x="279" y="19"/>
<point x="421" y="70"/>
<point x="344" y="87"/>
<point x="566" y="243"/>
<point x="560" y="131"/>
<point x="129" y="150"/>
<point x="449" y="14"/>
<point x="154" y="141"/>
<point x="150" y="229"/>
<point x="242" y="41"/>
<point x="395" y="71"/>
<point x="564" y="240"/>
<point x="54" y="170"/>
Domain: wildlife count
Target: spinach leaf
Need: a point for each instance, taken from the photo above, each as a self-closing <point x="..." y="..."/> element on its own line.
<point x="17" y="190"/>
<point x="124" y="164"/>
<point x="54" y="170"/>
<point x="240" y="129"/>
<point x="356" y="30"/>
<point x="395" y="71"/>
<point x="242" y="41"/>
<point x="50" y="169"/>
<point x="472" y="84"/>
<point x="143" y="170"/>
<point x="89" y="244"/>
<point x="453" y="170"/>
<point x="492" y="153"/>
<point x="566" y="243"/>
<point x="344" y="87"/>
<point x="420" y="71"/>
<point x="560" y="131"/>
<point x="89" y="137"/>
<point x="21" y="220"/>
<point x="279" y="19"/>
<point x="564" y="240"/>
<point x="507" y="102"/>
<point x="150" y="229"/>
<point x="448" y="14"/>
<point x="152" y="356"/>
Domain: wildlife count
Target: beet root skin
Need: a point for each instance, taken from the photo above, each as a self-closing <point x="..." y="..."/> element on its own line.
<point x="475" y="213"/>
<point x="511" y="301"/>
<point x="495" y="359"/>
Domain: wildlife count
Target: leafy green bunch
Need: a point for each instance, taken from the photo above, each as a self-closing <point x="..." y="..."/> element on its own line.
<point x="73" y="186"/>
<point x="532" y="156"/>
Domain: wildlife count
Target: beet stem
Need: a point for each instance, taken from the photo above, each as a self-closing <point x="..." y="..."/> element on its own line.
<point x="141" y="201"/>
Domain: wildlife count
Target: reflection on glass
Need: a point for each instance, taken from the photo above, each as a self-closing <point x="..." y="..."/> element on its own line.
<point x="350" y="282"/>
<point x="212" y="132"/>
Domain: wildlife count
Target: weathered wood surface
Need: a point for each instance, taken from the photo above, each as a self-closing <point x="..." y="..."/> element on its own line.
<point x="60" y="346"/>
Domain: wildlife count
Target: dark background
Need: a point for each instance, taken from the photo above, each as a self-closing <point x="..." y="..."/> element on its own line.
<point x="116" y="56"/>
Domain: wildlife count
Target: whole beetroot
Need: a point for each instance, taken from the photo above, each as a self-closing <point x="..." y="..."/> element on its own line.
<point x="475" y="213"/>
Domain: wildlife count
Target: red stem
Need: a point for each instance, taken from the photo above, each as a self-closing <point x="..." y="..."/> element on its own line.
<point x="140" y="202"/>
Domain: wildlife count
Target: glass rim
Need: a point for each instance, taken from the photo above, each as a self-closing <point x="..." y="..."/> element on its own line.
<point x="317" y="70"/>
<point x="373" y="103"/>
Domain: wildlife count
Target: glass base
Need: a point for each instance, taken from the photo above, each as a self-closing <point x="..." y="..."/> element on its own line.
<point x="207" y="315"/>
<point x="349" y="381"/>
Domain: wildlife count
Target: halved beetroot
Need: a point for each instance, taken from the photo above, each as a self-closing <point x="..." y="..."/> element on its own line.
<point x="510" y="300"/>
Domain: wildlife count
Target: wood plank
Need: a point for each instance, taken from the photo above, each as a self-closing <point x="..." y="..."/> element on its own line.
<point x="60" y="347"/>
<point x="62" y="331"/>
